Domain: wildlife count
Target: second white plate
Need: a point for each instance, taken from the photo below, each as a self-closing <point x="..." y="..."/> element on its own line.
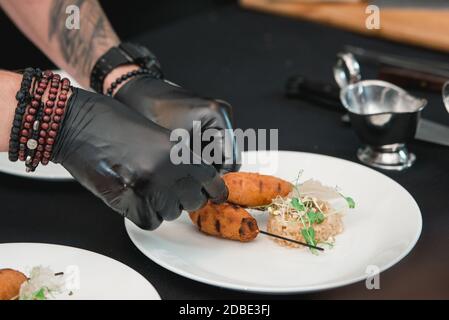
<point x="98" y="277"/>
<point x="51" y="171"/>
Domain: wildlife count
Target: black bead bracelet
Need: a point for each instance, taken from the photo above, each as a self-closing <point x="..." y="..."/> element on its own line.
<point x="23" y="98"/>
<point x="141" y="71"/>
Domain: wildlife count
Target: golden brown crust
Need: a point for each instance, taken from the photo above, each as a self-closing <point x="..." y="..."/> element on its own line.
<point x="253" y="189"/>
<point x="10" y="282"/>
<point x="226" y="221"/>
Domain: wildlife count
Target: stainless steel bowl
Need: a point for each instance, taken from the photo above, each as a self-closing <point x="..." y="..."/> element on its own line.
<point x="384" y="116"/>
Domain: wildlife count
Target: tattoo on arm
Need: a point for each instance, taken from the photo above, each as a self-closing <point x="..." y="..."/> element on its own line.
<point x="81" y="47"/>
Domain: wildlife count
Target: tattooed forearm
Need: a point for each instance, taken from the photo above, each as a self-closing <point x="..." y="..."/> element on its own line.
<point x="81" y="47"/>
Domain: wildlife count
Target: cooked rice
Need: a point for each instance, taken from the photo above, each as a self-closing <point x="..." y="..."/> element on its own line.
<point x="288" y="219"/>
<point x="291" y="228"/>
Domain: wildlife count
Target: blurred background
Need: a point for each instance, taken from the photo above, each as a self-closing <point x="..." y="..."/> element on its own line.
<point x="245" y="52"/>
<point x="145" y="15"/>
<point x="418" y="22"/>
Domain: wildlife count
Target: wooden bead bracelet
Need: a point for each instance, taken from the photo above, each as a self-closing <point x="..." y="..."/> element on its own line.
<point x="41" y="120"/>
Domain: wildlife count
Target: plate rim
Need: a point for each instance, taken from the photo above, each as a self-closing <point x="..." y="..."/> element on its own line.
<point x="48" y="178"/>
<point x="157" y="294"/>
<point x="290" y="290"/>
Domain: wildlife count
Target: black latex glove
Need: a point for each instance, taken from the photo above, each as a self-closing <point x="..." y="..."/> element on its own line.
<point x="124" y="159"/>
<point x="174" y="107"/>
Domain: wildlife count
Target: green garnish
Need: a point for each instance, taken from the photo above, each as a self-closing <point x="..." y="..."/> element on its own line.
<point x="298" y="205"/>
<point x="307" y="210"/>
<point x="351" y="202"/>
<point x="315" y="217"/>
<point x="39" y="294"/>
<point x="309" y="235"/>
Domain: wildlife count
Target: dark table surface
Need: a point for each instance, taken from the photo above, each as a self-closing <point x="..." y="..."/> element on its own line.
<point x="245" y="57"/>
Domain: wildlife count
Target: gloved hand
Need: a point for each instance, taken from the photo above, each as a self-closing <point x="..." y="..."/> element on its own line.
<point x="173" y="107"/>
<point x="124" y="159"/>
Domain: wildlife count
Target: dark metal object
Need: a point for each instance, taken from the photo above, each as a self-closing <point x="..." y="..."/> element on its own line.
<point x="421" y="65"/>
<point x="327" y="96"/>
<point x="324" y="94"/>
<point x="411" y="4"/>
<point x="445" y="93"/>
<point x="291" y="240"/>
<point x="411" y="79"/>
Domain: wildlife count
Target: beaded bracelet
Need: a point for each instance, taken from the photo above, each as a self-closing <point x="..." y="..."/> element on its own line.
<point x="31" y="122"/>
<point x="29" y="118"/>
<point x="39" y="126"/>
<point x="36" y="153"/>
<point x="49" y="108"/>
<point x="152" y="72"/>
<point x="23" y="98"/>
<point x="56" y="120"/>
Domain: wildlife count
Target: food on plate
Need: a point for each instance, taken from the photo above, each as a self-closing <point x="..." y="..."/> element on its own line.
<point x="225" y="220"/>
<point x="311" y="213"/>
<point x="10" y="282"/>
<point x="253" y="189"/>
<point x="42" y="284"/>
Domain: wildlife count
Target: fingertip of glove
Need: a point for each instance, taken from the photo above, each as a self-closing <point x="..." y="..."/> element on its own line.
<point x="146" y="219"/>
<point x="222" y="196"/>
<point x="150" y="226"/>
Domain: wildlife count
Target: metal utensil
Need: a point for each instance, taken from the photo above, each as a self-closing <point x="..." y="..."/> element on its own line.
<point x="291" y="240"/>
<point x="445" y="93"/>
<point x="384" y="116"/>
<point x="433" y="132"/>
<point x="421" y="65"/>
<point x="411" y="4"/>
<point x="327" y="95"/>
<point x="411" y="79"/>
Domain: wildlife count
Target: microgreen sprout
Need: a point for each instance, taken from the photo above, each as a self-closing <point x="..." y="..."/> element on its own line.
<point x="308" y="206"/>
<point x="351" y="202"/>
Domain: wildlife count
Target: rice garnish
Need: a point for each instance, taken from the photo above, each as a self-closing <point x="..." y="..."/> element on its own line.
<point x="311" y="213"/>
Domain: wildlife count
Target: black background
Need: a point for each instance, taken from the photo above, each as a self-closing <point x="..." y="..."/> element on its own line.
<point x="245" y="57"/>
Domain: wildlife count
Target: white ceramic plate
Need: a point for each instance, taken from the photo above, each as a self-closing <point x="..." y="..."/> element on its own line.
<point x="100" y="277"/>
<point x="381" y="231"/>
<point x="50" y="172"/>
